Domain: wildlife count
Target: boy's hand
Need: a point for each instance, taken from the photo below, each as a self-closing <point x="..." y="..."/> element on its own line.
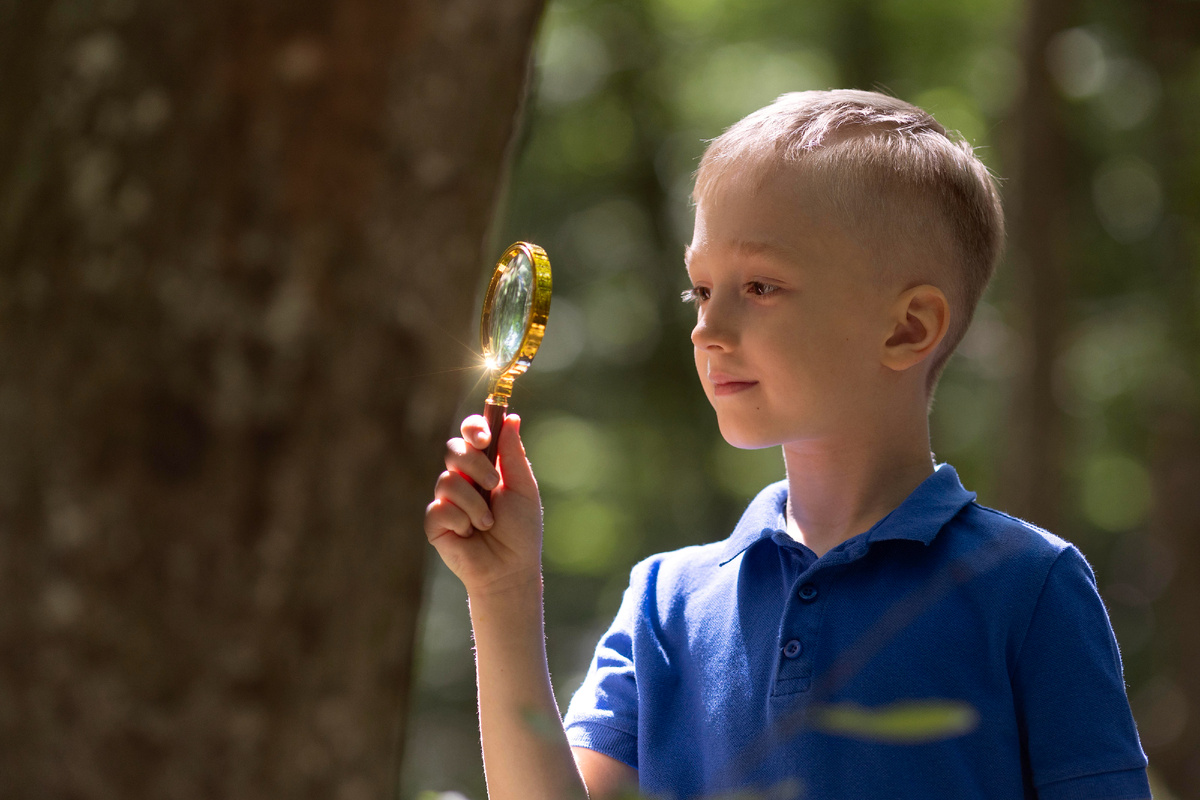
<point x="489" y="551"/>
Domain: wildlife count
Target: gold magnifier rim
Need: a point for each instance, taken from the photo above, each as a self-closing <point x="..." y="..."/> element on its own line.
<point x="535" y="325"/>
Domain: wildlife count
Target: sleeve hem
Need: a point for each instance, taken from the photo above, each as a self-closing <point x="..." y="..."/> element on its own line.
<point x="604" y="739"/>
<point x="1128" y="784"/>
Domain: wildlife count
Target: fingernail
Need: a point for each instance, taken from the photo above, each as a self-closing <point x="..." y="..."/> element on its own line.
<point x="491" y="481"/>
<point x="488" y="519"/>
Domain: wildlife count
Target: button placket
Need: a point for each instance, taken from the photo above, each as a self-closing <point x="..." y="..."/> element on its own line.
<point x="793" y="671"/>
<point x="798" y="629"/>
<point x="800" y="623"/>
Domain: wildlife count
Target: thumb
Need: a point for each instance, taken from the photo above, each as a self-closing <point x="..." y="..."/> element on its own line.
<point x="514" y="465"/>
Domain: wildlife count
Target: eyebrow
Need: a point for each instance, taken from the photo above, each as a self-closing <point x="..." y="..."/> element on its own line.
<point x="752" y="247"/>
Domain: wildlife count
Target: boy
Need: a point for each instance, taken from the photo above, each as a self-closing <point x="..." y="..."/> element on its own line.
<point x="868" y="630"/>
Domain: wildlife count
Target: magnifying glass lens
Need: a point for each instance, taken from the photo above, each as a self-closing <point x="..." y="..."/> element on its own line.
<point x="511" y="327"/>
<point x="510" y="314"/>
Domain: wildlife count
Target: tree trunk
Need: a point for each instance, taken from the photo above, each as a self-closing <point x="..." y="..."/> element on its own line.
<point x="235" y="240"/>
<point x="1031" y="482"/>
<point x="1169" y="709"/>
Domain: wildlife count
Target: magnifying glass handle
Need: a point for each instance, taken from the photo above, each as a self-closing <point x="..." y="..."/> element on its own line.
<point x="494" y="413"/>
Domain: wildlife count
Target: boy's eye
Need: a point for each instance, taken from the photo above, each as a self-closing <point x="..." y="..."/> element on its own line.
<point x="698" y="294"/>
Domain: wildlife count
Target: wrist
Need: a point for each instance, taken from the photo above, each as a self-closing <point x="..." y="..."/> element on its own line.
<point x="516" y="588"/>
<point x="509" y="617"/>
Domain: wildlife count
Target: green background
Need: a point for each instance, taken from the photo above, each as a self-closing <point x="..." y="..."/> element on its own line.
<point x="620" y="435"/>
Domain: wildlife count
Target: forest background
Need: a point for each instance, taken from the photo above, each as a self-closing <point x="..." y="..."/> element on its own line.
<point x="243" y="245"/>
<point x="1072" y="401"/>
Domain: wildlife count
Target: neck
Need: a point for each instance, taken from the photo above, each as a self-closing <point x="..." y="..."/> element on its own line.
<point x="838" y="487"/>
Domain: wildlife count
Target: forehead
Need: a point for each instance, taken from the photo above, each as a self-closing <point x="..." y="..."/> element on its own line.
<point x="778" y="216"/>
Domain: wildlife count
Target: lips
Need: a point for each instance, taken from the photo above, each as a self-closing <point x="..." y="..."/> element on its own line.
<point x="729" y="384"/>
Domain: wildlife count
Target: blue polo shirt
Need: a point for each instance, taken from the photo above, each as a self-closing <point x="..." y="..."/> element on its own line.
<point x="951" y="651"/>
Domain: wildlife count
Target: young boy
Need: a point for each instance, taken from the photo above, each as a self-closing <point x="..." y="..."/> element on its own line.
<point x="868" y="630"/>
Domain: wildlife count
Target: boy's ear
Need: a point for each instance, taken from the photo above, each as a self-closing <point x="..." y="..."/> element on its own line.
<point x="920" y="318"/>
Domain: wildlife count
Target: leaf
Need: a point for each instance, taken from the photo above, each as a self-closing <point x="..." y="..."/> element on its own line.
<point x="903" y="722"/>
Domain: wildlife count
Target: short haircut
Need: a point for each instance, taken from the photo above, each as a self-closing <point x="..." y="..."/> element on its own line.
<point x="890" y="174"/>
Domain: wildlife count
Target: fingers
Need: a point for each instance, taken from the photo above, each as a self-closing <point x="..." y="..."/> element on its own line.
<point x="514" y="465"/>
<point x="464" y="458"/>
<point x="442" y="517"/>
<point x="475" y="430"/>
<point x="457" y="507"/>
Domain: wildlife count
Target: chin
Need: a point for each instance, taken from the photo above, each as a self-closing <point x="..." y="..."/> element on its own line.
<point x="748" y="440"/>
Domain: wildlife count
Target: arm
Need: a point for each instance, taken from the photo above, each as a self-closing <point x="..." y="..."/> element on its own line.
<point x="605" y="776"/>
<point x="497" y="556"/>
<point x="525" y="751"/>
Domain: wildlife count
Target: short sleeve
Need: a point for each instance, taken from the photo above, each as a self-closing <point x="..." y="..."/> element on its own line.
<point x="603" y="713"/>
<point x="1070" y="694"/>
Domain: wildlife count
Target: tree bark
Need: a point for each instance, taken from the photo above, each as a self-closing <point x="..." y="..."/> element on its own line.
<point x="236" y="239"/>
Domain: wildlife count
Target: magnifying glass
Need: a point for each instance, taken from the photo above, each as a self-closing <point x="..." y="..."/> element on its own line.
<point x="512" y="326"/>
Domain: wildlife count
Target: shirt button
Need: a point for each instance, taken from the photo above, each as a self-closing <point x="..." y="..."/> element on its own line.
<point x="808" y="593"/>
<point x="792" y="648"/>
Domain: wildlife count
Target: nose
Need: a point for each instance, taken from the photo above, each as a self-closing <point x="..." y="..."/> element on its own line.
<point x="715" y="327"/>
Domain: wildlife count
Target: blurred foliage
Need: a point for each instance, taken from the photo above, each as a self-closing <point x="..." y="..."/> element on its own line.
<point x="623" y="441"/>
<point x="898" y="723"/>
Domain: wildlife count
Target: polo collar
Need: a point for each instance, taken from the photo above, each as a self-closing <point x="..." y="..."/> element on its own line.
<point x="918" y="518"/>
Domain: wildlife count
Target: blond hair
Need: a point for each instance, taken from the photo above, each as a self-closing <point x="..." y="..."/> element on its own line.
<point x="887" y="171"/>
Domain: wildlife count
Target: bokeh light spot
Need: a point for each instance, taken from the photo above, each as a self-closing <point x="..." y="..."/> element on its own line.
<point x="582" y="536"/>
<point x="1111" y="354"/>
<point x="572" y="62"/>
<point x="995" y="78"/>
<point x="1131" y="93"/>
<point x="1076" y="61"/>
<point x="569" y="453"/>
<point x="1116" y="492"/>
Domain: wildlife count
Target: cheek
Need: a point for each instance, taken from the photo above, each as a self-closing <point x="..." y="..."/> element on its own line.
<point x="816" y="355"/>
<point x="794" y="348"/>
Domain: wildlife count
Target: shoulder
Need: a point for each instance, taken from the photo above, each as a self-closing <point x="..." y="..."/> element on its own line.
<point x="677" y="573"/>
<point x="1020" y="539"/>
<point x="1013" y="551"/>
